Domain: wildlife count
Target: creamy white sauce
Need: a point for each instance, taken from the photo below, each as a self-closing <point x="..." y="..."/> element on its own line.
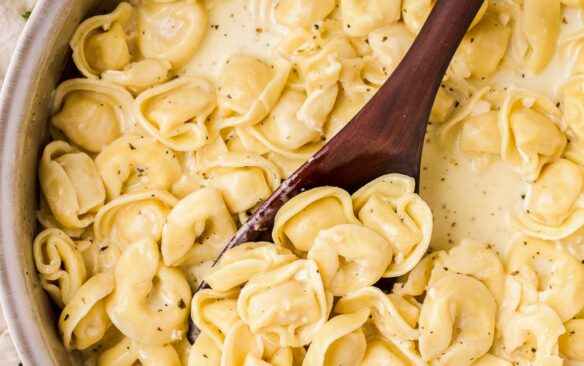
<point x="232" y="30"/>
<point x="466" y="204"/>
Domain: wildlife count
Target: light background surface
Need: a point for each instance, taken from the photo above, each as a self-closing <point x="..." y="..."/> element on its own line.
<point x="12" y="23"/>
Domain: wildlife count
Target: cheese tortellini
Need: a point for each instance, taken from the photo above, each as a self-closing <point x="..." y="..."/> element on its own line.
<point x="538" y="26"/>
<point x="71" y="184"/>
<point x="389" y="206"/>
<point x="84" y="321"/>
<point x="134" y="163"/>
<point x="60" y="265"/>
<point x="286" y="305"/>
<point x="390" y="44"/>
<point x="175" y="113"/>
<point x="530" y="132"/>
<point x="284" y="133"/>
<point x="300" y="220"/>
<point x="531" y="334"/>
<point x="482" y="49"/>
<point x="133" y="216"/>
<point x="553" y="207"/>
<point x="560" y="286"/>
<point x="112" y="45"/>
<point x="91" y="113"/>
<point x="350" y="257"/>
<point x="150" y="305"/>
<point x="244" y="180"/>
<point x="197" y="228"/>
<point x="238" y="265"/>
<point x="248" y="89"/>
<point x="362" y="17"/>
<point x="100" y="43"/>
<point x="170" y="30"/>
<point x="339" y="341"/>
<point x="457" y="321"/>
<point x="571" y="343"/>
<point x="129" y="351"/>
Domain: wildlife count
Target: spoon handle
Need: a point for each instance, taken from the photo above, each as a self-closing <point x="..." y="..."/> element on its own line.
<point x="400" y="122"/>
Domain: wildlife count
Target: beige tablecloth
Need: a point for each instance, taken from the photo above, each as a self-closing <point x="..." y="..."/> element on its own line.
<point x="12" y="22"/>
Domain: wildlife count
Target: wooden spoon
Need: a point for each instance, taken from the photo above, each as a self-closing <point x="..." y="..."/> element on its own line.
<point x="387" y="135"/>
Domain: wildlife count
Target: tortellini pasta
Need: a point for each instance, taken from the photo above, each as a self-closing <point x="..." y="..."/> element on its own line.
<point x="134" y="163"/>
<point x="170" y="30"/>
<point x="204" y="352"/>
<point x="244" y="180"/>
<point x="71" y="185"/>
<point x="457" y="321"/>
<point x="390" y="44"/>
<point x="474" y="259"/>
<point x="572" y="97"/>
<point x="175" y="113"/>
<point x="60" y="265"/>
<point x="480" y="135"/>
<point x="553" y="209"/>
<point x="286" y="305"/>
<point x="571" y="343"/>
<point x="393" y="316"/>
<point x="137" y="46"/>
<point x="548" y="274"/>
<point x="283" y="132"/>
<point x="350" y="257"/>
<point x="100" y="43"/>
<point x="84" y="320"/>
<point x="214" y="313"/>
<point x="197" y="228"/>
<point x="238" y="265"/>
<point x="390" y="352"/>
<point x="389" y="206"/>
<point x="539" y="25"/>
<point x="531" y="334"/>
<point x="415" y="13"/>
<point x="151" y="301"/>
<point x="301" y="219"/>
<point x="477" y="124"/>
<point x="92" y="113"/>
<point x="248" y="89"/>
<point x="133" y="216"/>
<point x="530" y="132"/>
<point x="47" y="220"/>
<point x="138" y="76"/>
<point x="339" y="341"/>
<point x="482" y="49"/>
<point x="318" y="68"/>
<point x="129" y="351"/>
<point x="241" y="346"/>
<point x="362" y="17"/>
<point x="415" y="282"/>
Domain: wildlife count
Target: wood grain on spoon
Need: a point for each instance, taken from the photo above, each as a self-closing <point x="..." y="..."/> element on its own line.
<point x="387" y="135"/>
